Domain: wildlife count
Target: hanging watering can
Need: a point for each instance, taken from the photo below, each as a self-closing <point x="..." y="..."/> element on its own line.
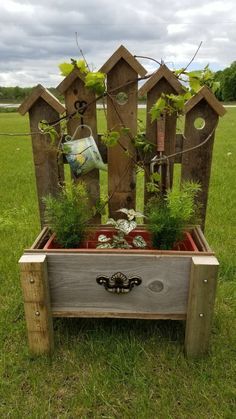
<point x="82" y="154"/>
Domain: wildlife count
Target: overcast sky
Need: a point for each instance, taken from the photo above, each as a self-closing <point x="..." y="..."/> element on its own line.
<point x="35" y="36"/>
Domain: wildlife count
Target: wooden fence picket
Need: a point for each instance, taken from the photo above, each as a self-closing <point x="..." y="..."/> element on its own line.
<point x="196" y="164"/>
<point x="162" y="81"/>
<point x="78" y="96"/>
<point x="121" y="68"/>
<point x="49" y="168"/>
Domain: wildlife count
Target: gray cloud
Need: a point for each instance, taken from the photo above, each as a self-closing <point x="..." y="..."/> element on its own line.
<point x="36" y="36"/>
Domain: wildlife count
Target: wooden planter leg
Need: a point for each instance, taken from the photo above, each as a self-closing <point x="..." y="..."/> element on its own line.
<point x="34" y="282"/>
<point x="200" y="304"/>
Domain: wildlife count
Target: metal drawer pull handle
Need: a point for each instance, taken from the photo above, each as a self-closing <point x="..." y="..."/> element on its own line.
<point x="118" y="283"/>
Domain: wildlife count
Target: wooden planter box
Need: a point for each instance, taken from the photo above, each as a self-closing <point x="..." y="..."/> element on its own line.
<point x="176" y="285"/>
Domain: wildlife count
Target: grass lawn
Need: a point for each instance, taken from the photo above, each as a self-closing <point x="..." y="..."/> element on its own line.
<point x="114" y="368"/>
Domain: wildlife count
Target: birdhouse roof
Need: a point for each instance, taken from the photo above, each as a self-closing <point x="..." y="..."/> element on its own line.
<point x="40" y="92"/>
<point x="122" y="52"/>
<point x="162" y="72"/>
<point x="68" y="80"/>
<point x="205" y="93"/>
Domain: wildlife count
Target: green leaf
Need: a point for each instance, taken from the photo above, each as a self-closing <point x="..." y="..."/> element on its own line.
<point x="194" y="84"/>
<point x="81" y="64"/>
<point x="139" y="242"/>
<point x="126" y="226"/>
<point x="155" y="177"/>
<point x="157" y="108"/>
<point x="152" y="187"/>
<point x="103" y="239"/>
<point x="197" y="74"/>
<point x="215" y="86"/>
<point x="110" y="138"/>
<point x="104" y="246"/>
<point x="66" y="68"/>
<point x="95" y="81"/>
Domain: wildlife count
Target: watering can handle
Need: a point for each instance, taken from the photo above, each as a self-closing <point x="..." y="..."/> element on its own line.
<point x="73" y="136"/>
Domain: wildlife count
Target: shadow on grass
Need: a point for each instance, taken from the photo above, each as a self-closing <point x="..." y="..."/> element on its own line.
<point x="108" y="330"/>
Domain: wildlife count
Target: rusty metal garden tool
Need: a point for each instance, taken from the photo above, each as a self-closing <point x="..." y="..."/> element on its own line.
<point x="160" y="162"/>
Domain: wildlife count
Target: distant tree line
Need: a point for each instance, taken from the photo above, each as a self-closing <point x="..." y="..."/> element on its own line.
<point x="17" y="94"/>
<point x="227" y="79"/>
<point x="226" y="92"/>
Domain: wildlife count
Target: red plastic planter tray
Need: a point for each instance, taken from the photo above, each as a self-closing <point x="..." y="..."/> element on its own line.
<point x="187" y="244"/>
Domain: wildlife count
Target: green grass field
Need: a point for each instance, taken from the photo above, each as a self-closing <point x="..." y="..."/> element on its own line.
<point x="113" y="368"/>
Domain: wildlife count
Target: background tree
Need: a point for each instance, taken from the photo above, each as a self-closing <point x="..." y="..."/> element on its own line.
<point x="227" y="79"/>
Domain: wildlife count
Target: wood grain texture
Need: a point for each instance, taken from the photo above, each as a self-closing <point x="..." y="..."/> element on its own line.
<point x="123" y="53"/>
<point x="200" y="305"/>
<point x="200" y="239"/>
<point x="87" y="313"/>
<point x="75" y="92"/>
<point x="49" y="169"/>
<point x="73" y="284"/>
<point x="68" y="80"/>
<point x="34" y="282"/>
<point x="162" y="86"/>
<point x="40" y="240"/>
<point x="37" y="92"/>
<point x="121" y="168"/>
<point x="205" y="93"/>
<point x="168" y="75"/>
<point x="196" y="164"/>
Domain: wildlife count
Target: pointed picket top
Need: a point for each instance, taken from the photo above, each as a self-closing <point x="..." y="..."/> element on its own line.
<point x="205" y="93"/>
<point x="120" y="53"/>
<point x="41" y="92"/>
<point x="68" y="80"/>
<point x="162" y="72"/>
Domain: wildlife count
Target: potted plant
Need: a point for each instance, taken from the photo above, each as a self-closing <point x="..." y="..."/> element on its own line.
<point x="67" y="215"/>
<point x="169" y="216"/>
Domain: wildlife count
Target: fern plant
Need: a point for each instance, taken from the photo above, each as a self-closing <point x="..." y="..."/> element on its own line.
<point x="68" y="213"/>
<point x="169" y="216"/>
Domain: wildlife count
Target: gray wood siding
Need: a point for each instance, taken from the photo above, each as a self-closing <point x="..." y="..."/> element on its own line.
<point x="73" y="286"/>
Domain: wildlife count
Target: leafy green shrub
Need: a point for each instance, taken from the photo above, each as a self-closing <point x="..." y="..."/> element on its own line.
<point x="68" y="213"/>
<point x="168" y="217"/>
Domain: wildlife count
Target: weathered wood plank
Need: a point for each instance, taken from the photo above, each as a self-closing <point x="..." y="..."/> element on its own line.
<point x="121" y="168"/>
<point x="49" y="169"/>
<point x="196" y="164"/>
<point x="73" y="283"/>
<point x="34" y="282"/>
<point x="77" y="95"/>
<point x="198" y="235"/>
<point x="205" y="93"/>
<point x="123" y="53"/>
<point x="69" y="312"/>
<point x="41" y="238"/>
<point x="200" y="305"/>
<point x="162" y="86"/>
<point x="40" y="91"/>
